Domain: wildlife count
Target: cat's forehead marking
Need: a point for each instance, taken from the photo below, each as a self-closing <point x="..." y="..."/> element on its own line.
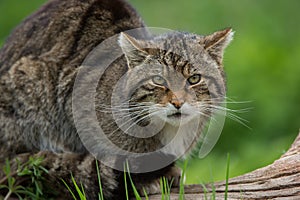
<point x="178" y="52"/>
<point x="172" y="62"/>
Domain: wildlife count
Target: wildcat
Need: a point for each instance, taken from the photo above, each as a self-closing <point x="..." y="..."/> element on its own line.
<point x="38" y="66"/>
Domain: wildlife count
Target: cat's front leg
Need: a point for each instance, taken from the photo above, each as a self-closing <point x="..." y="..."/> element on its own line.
<point x="83" y="168"/>
<point x="62" y="166"/>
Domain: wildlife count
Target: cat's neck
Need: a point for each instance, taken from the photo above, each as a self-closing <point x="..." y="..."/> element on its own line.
<point x="179" y="139"/>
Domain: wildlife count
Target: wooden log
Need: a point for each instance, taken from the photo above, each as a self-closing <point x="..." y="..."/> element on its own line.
<point x="279" y="180"/>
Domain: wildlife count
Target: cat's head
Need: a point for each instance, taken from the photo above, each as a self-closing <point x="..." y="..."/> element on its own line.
<point x="176" y="76"/>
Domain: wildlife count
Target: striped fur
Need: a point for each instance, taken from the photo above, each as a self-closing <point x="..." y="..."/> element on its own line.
<point x="38" y="66"/>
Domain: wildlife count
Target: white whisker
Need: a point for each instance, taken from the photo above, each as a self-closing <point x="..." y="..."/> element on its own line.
<point x="210" y="106"/>
<point x="140" y="120"/>
<point x="135" y="116"/>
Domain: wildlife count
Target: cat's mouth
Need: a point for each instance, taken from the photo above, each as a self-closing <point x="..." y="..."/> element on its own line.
<point x="177" y="115"/>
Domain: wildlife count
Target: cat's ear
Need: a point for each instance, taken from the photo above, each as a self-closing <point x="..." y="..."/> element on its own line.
<point x="132" y="50"/>
<point x="216" y="43"/>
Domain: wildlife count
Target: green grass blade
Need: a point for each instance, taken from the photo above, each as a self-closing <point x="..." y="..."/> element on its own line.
<point x="181" y="185"/>
<point x="79" y="192"/>
<point x="99" y="182"/>
<point x="162" y="188"/>
<point x="24" y="191"/>
<point x="7" y="171"/>
<point x="165" y="185"/>
<point x="169" y="188"/>
<point x="38" y="188"/>
<point x="135" y="192"/>
<point x="213" y="188"/>
<point x="204" y="190"/>
<point x="125" y="183"/>
<point x="146" y="195"/>
<point x="82" y="189"/>
<point x="69" y="189"/>
<point x="213" y="194"/>
<point x="3" y="187"/>
<point x="19" y="196"/>
<point x="7" y="167"/>
<point x="227" y="176"/>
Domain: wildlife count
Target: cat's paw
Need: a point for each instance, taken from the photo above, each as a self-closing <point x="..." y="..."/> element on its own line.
<point x="174" y="176"/>
<point x="150" y="188"/>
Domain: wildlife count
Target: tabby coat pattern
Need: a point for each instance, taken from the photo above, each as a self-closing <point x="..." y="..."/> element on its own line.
<point x="38" y="66"/>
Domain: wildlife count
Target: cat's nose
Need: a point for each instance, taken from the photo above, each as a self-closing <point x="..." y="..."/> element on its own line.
<point x="177" y="103"/>
<point x="177" y="99"/>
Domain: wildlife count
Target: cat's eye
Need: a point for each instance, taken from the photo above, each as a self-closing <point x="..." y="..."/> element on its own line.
<point x="194" y="79"/>
<point x="158" y="80"/>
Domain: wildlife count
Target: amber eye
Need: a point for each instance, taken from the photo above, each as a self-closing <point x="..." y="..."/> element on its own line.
<point x="194" y="79"/>
<point x="158" y="80"/>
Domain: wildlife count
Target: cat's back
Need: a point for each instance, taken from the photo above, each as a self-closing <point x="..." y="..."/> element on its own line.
<point x="38" y="66"/>
<point x="66" y="30"/>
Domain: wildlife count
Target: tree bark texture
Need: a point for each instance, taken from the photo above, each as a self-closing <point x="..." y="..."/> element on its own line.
<point x="279" y="180"/>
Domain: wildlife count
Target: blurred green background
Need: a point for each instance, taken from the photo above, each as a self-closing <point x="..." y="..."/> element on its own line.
<point x="262" y="65"/>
